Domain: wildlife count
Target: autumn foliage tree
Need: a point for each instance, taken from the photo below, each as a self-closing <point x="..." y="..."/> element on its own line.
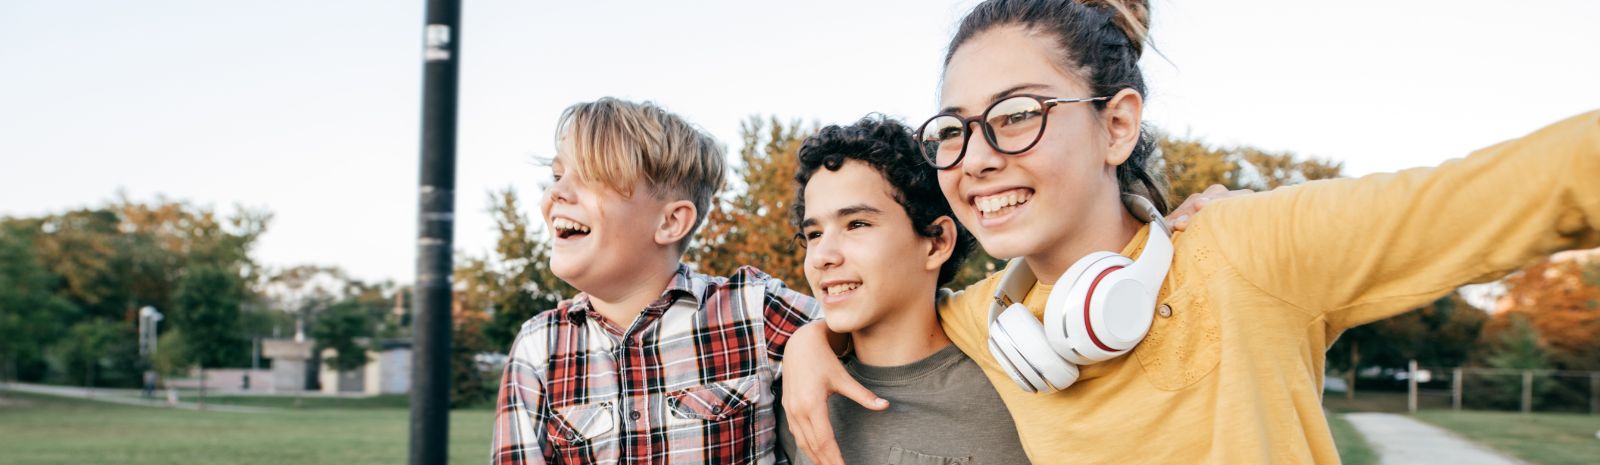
<point x="752" y="226"/>
<point x="1560" y="300"/>
<point x="1192" y="165"/>
<point x="515" y="282"/>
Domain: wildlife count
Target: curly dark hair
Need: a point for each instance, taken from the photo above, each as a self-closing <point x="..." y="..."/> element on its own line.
<point x="888" y="146"/>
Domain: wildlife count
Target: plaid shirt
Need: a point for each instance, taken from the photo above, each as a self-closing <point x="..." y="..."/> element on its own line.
<point x="691" y="381"/>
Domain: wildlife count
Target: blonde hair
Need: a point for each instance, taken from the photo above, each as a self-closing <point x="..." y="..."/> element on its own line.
<point x="617" y="143"/>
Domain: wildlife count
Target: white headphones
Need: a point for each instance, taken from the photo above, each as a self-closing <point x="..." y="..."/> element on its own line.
<point x="1099" y="309"/>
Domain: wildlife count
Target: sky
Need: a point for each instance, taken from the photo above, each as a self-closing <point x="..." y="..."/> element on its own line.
<point x="311" y="109"/>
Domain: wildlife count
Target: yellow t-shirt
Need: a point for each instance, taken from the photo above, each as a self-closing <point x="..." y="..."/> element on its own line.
<point x="1261" y="285"/>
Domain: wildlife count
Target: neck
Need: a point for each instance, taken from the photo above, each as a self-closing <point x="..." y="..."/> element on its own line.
<point x="902" y="341"/>
<point x="623" y="303"/>
<point x="1048" y="265"/>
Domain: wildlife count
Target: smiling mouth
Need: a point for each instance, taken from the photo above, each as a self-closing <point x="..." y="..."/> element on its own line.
<point x="566" y="228"/>
<point x="990" y="206"/>
<point x="841" y="288"/>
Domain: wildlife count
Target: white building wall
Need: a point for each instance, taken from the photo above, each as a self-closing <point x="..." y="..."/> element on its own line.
<point x="395" y="371"/>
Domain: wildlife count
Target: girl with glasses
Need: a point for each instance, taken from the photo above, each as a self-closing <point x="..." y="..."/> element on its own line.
<point x="1208" y="346"/>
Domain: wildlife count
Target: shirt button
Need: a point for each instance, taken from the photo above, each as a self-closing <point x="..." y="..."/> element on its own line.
<point x="1165" y="311"/>
<point x="634" y="415"/>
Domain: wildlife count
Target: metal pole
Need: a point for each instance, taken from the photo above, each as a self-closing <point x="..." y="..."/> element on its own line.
<point x="1455" y="389"/>
<point x="1527" y="391"/>
<point x="1411" y="386"/>
<point x="430" y="373"/>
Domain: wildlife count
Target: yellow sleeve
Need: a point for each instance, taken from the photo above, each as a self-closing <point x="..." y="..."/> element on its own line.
<point x="965" y="317"/>
<point x="1358" y="250"/>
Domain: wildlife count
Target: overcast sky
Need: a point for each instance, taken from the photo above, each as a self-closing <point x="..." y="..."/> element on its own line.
<point x="311" y="108"/>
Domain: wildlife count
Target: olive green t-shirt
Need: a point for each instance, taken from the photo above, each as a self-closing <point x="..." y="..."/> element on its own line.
<point x="942" y="410"/>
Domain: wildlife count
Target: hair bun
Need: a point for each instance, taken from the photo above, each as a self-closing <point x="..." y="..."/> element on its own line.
<point x="1131" y="16"/>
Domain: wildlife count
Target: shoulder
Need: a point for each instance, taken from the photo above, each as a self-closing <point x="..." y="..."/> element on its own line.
<point x="534" y="338"/>
<point x="972" y="300"/>
<point x="751" y="276"/>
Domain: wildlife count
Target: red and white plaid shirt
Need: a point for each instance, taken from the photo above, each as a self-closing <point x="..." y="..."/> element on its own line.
<point x="691" y="381"/>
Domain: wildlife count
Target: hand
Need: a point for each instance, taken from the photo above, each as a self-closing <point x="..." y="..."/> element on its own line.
<point x="1179" y="218"/>
<point x="811" y="373"/>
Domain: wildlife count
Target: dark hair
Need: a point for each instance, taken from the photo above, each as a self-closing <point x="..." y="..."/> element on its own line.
<point x="889" y="147"/>
<point x="1100" y="41"/>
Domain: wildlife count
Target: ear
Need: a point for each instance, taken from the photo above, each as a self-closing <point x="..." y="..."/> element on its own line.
<point x="941" y="246"/>
<point x="677" y="219"/>
<point x="1121" y="119"/>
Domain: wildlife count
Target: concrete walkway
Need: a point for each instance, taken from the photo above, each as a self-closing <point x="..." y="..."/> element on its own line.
<point x="1401" y="440"/>
<point x="123" y="396"/>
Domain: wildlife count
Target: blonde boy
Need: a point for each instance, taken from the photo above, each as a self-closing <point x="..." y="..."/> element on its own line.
<point x="649" y="362"/>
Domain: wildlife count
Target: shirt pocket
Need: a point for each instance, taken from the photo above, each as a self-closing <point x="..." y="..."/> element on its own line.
<point x="584" y="424"/>
<point x="715" y="402"/>
<point x="1185" y="345"/>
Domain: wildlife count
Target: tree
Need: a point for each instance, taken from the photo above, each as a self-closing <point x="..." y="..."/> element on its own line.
<point x="470" y="384"/>
<point x="1560" y="299"/>
<point x="752" y="227"/>
<point x="1443" y="333"/>
<point x="1192" y="166"/>
<point x="304" y="292"/>
<point x="346" y="328"/>
<point x="517" y="282"/>
<point x="31" y="314"/>
<point x="172" y="357"/>
<point x="1517" y="347"/>
<point x="207" y="311"/>
<point x="88" y="346"/>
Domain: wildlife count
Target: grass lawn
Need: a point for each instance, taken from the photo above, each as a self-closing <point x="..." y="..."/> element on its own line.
<point x="1353" y="447"/>
<point x="49" y="430"/>
<point x="388" y="401"/>
<point x="1540" y="438"/>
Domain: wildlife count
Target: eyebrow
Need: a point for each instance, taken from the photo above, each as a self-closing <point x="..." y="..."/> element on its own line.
<point x="997" y="96"/>
<point x="856" y="209"/>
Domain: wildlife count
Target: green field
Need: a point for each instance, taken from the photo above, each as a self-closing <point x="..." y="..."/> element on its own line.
<point x="1540" y="438"/>
<point x="49" y="430"/>
<point x="37" y="429"/>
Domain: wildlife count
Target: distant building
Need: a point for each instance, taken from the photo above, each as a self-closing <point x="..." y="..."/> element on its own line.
<point x="289" y="358"/>
<point x="388" y="368"/>
<point x="388" y="371"/>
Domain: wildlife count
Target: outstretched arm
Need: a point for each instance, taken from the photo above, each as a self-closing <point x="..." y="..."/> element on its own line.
<point x="1358" y="250"/>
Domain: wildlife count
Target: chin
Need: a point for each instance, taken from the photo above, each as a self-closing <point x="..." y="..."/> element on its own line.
<point x="842" y="324"/>
<point x="1005" y="246"/>
<point x="564" y="268"/>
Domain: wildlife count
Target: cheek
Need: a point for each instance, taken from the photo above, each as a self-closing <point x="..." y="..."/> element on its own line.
<point x="950" y="186"/>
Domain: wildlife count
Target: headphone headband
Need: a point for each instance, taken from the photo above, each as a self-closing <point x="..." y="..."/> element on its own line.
<point x="1015" y="282"/>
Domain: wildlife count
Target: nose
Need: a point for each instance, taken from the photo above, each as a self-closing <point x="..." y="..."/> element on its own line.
<point x="559" y="190"/>
<point x="981" y="157"/>
<point x="823" y="254"/>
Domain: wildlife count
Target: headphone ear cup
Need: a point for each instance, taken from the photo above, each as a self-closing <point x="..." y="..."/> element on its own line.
<point x="1016" y="329"/>
<point x="1073" y="302"/>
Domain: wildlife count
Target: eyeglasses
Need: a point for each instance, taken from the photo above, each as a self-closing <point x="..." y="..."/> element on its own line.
<point x="1011" y="126"/>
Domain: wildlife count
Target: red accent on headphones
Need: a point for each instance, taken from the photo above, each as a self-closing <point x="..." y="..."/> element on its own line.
<point x="1086" y="300"/>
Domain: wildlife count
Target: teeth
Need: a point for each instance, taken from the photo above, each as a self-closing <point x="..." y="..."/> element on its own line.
<point x="841" y="288"/>
<point x="995" y="203"/>
<point x="568" y="225"/>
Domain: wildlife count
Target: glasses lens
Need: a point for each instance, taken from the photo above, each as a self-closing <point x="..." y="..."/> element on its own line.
<point x="941" y="140"/>
<point x="1016" y="123"/>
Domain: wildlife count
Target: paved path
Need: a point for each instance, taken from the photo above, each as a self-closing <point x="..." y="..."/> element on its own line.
<point x="121" y="396"/>
<point x="1401" y="440"/>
